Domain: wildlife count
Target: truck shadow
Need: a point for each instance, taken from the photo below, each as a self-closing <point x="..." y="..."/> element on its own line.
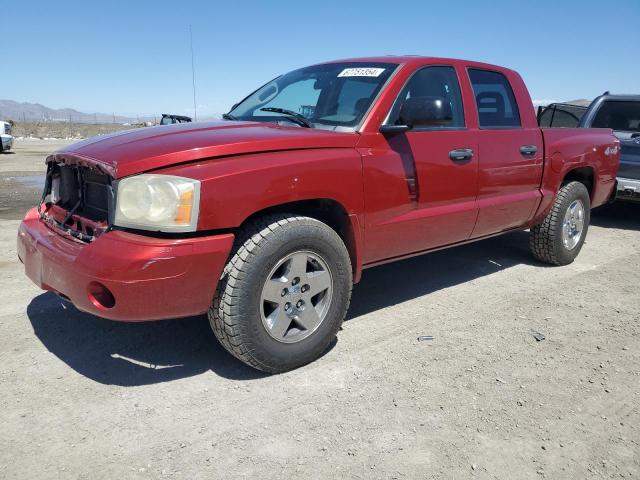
<point x="133" y="354"/>
<point x="624" y="215"/>
<point x="398" y="282"/>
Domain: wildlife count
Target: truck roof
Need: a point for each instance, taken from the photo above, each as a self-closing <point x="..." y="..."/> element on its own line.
<point x="620" y="96"/>
<point x="419" y="60"/>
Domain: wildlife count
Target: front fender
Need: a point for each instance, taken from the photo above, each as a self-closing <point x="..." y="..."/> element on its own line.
<point x="234" y="188"/>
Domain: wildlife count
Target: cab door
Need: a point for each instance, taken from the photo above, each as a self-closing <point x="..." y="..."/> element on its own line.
<point x="511" y="156"/>
<point x="421" y="185"/>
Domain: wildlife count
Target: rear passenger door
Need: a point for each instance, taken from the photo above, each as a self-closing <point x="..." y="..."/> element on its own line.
<point x="511" y="156"/>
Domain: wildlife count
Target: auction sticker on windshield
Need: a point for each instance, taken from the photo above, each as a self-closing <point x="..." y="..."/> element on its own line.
<point x="361" y="72"/>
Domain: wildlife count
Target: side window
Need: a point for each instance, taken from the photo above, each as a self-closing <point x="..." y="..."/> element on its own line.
<point x="496" y="103"/>
<point x="618" y="115"/>
<point x="436" y="85"/>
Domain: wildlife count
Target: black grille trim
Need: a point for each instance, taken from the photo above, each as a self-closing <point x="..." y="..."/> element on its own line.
<point x="85" y="194"/>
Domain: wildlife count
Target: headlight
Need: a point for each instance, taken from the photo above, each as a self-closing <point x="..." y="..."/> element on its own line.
<point x="162" y="203"/>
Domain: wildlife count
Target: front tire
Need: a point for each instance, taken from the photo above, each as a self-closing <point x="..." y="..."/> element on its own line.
<point x="559" y="238"/>
<point x="283" y="294"/>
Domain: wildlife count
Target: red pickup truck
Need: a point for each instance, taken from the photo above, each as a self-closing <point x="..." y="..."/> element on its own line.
<point x="266" y="218"/>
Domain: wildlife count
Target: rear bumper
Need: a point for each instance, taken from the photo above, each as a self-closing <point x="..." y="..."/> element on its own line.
<point x="148" y="278"/>
<point x="628" y="189"/>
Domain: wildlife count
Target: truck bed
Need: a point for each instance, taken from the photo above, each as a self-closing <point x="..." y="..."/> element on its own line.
<point x="593" y="151"/>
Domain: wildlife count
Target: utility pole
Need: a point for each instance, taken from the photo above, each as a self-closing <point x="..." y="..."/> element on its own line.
<point x="193" y="76"/>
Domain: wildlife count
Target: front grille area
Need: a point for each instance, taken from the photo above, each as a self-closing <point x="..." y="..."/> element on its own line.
<point x="95" y="188"/>
<point x="77" y="199"/>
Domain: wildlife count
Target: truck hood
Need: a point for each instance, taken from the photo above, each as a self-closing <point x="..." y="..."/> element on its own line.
<point x="135" y="151"/>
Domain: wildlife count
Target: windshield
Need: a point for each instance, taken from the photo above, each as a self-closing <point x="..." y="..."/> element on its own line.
<point x="622" y="116"/>
<point x="330" y="95"/>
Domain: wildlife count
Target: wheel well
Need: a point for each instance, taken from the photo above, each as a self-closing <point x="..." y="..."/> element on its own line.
<point x="325" y="210"/>
<point x="583" y="175"/>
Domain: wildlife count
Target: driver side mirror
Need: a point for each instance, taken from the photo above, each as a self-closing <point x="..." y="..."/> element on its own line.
<point x="421" y="112"/>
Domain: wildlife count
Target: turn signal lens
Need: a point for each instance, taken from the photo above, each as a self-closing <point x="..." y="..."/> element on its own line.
<point x="185" y="207"/>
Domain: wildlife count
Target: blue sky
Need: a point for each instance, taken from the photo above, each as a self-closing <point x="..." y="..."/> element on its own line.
<point x="132" y="57"/>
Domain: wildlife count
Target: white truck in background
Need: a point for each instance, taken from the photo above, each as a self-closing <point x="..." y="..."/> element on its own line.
<point x="6" y="140"/>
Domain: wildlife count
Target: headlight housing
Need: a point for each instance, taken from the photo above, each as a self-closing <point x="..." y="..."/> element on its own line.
<point x="162" y="203"/>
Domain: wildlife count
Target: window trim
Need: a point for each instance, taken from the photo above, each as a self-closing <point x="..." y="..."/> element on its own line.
<point x="438" y="129"/>
<point x="431" y="129"/>
<point x="498" y="127"/>
<point x="505" y="127"/>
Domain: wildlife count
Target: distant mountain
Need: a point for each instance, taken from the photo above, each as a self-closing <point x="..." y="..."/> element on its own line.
<point x="34" y="112"/>
<point x="543" y="103"/>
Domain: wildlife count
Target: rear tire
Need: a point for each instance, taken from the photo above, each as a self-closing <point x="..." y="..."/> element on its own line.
<point x="260" y="312"/>
<point x="559" y="238"/>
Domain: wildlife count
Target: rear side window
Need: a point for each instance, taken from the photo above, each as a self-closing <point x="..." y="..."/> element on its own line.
<point x="622" y="116"/>
<point x="497" y="107"/>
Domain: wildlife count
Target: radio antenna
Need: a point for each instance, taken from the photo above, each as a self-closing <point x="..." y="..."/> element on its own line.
<point x="193" y="76"/>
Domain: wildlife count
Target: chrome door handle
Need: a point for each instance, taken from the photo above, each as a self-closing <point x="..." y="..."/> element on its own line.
<point x="461" y="154"/>
<point x="528" y="150"/>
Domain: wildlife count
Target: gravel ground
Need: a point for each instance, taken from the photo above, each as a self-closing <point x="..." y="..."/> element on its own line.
<point x="86" y="398"/>
<point x="73" y="130"/>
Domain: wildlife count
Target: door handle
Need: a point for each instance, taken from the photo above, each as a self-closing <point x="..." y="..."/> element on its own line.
<point x="528" y="150"/>
<point x="461" y="154"/>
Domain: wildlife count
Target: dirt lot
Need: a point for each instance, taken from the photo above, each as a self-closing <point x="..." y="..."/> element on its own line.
<point x="71" y="130"/>
<point x="90" y="399"/>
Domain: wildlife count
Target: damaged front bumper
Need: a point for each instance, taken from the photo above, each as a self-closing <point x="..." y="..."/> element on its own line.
<point x="124" y="276"/>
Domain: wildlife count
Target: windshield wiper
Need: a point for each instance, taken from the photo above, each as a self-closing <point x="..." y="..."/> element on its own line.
<point x="295" y="117"/>
<point x="228" y="116"/>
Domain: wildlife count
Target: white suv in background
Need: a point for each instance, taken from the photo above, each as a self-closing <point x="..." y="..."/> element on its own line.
<point x="6" y="140"/>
